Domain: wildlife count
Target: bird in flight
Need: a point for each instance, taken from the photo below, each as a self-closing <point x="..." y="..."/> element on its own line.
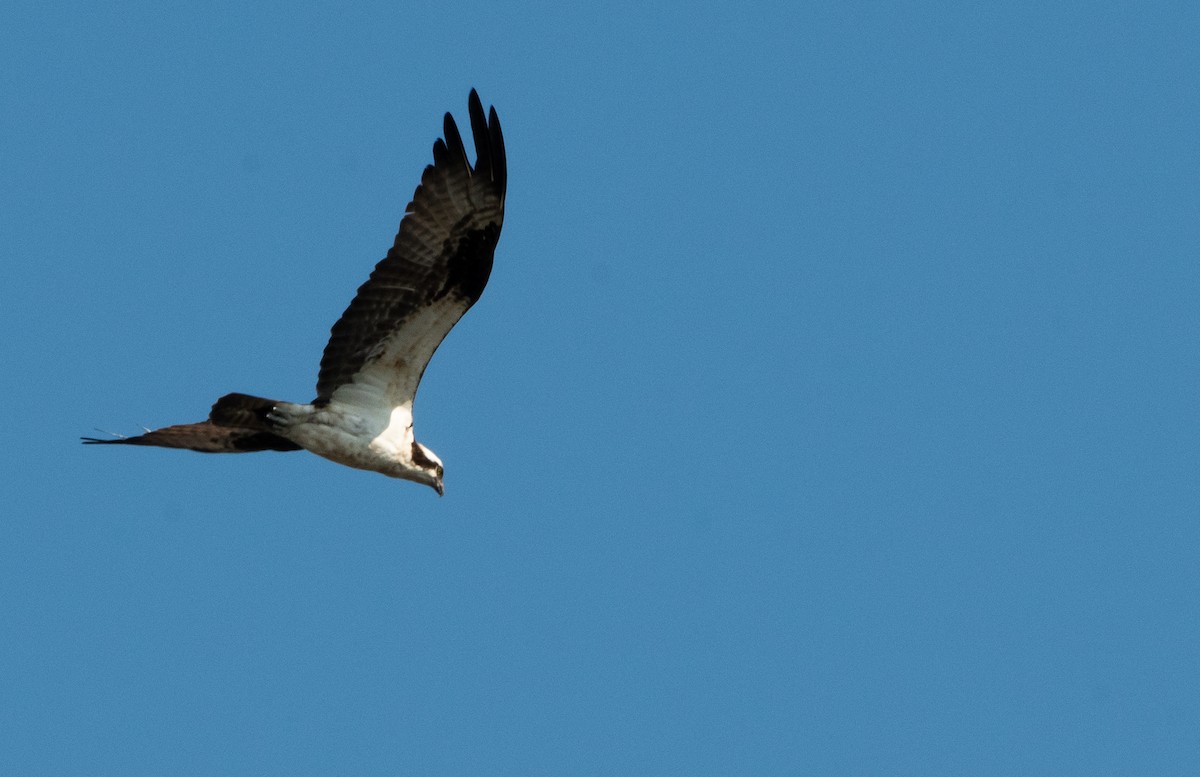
<point x="435" y="271"/>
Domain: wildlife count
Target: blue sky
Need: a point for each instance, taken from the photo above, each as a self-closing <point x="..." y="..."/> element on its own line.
<point x="831" y="409"/>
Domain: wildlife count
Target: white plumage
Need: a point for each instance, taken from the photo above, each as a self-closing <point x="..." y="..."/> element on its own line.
<point x="435" y="271"/>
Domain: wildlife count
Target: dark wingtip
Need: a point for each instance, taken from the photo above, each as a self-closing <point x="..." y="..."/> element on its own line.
<point x="489" y="142"/>
<point x="499" y="160"/>
<point x="483" y="152"/>
<point x="440" y="155"/>
<point x="454" y="144"/>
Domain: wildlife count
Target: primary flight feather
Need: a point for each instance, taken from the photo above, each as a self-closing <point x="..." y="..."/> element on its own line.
<point x="435" y="271"/>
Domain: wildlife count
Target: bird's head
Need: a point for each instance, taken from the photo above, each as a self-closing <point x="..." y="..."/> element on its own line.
<point x="429" y="468"/>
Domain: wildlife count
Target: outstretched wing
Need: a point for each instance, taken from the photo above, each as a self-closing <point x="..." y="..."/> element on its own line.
<point x="205" y="437"/>
<point x="432" y="275"/>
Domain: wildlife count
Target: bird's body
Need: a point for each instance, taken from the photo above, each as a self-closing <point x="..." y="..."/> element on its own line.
<point x="437" y="268"/>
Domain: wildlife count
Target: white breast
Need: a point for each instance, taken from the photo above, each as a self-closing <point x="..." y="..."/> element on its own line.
<point x="368" y="422"/>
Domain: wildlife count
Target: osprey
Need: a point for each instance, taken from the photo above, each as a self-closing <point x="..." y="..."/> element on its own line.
<point x="435" y="271"/>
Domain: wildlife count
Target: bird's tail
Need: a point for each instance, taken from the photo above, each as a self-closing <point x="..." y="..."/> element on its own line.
<point x="238" y="423"/>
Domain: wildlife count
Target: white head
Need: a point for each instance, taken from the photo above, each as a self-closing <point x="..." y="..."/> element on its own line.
<point x="429" y="469"/>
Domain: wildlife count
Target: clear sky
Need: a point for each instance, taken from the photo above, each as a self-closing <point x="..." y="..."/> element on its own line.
<point x="832" y="408"/>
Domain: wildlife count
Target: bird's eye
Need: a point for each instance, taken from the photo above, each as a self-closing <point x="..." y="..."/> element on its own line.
<point x="440" y="470"/>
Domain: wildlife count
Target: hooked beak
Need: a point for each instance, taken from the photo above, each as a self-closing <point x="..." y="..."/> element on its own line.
<point x="441" y="489"/>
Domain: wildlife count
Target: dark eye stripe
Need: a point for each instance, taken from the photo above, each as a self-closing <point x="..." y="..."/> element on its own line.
<point x="419" y="457"/>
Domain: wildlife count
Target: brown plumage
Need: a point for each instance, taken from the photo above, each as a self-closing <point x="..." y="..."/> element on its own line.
<point x="435" y="271"/>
